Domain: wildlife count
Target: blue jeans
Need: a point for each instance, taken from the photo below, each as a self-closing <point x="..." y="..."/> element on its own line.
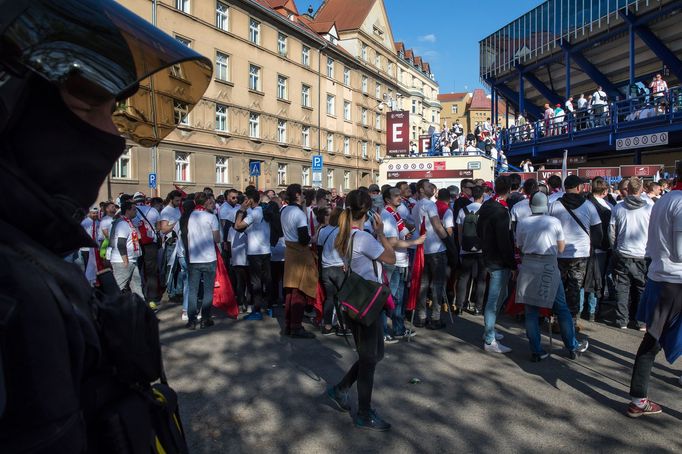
<point x="497" y="293"/>
<point x="396" y="282"/>
<point x="183" y="278"/>
<point x="197" y="272"/>
<point x="566" y="326"/>
<point x="591" y="301"/>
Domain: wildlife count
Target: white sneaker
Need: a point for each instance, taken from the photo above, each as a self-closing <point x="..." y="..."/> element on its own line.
<point x="496" y="347"/>
<point x="184" y="316"/>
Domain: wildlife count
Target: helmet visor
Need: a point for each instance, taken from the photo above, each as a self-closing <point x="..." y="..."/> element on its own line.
<point x="99" y="49"/>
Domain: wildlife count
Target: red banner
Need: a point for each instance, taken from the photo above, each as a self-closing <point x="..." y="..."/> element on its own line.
<point x="593" y="172"/>
<point x="424" y="143"/>
<point x="419" y="174"/>
<point x="639" y="171"/>
<point x="544" y="174"/>
<point x="397" y="133"/>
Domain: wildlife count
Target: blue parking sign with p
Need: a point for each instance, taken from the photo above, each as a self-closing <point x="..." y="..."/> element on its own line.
<point x="317" y="163"/>
<point x="254" y="168"/>
<point x="152" y="180"/>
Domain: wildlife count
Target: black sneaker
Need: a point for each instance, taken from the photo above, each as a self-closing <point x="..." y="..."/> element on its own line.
<point x="579" y="350"/>
<point x="458" y="311"/>
<point x="191" y="325"/>
<point x="302" y="334"/>
<point x="327" y="331"/>
<point x="339" y="398"/>
<point x="537" y="357"/>
<point x="477" y="311"/>
<point x="206" y="323"/>
<point x="435" y="324"/>
<point x="371" y="421"/>
<point x="344" y="332"/>
<point x="406" y="333"/>
<point x="420" y="323"/>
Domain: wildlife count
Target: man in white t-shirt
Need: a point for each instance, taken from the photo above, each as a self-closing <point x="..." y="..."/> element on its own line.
<point x="228" y="211"/>
<point x="521" y="209"/>
<point x="539" y="238"/>
<point x="628" y="236"/>
<point x="250" y="219"/>
<point x="146" y="221"/>
<point x="582" y="229"/>
<point x="125" y="249"/>
<point x="554" y="183"/>
<point x="106" y="221"/>
<point x="434" y="274"/>
<point x="661" y="304"/>
<point x="472" y="265"/>
<point x="599" y="102"/>
<point x="170" y="214"/>
<point x="203" y="233"/>
<point x="168" y="218"/>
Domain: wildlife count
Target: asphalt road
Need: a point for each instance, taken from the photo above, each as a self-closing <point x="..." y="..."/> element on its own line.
<point x="243" y="388"/>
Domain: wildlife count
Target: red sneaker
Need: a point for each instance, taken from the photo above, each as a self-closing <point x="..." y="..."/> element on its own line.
<point x="651" y="408"/>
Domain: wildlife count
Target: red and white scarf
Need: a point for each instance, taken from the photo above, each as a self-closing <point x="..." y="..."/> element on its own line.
<point x="398" y="219"/>
<point x="133" y="234"/>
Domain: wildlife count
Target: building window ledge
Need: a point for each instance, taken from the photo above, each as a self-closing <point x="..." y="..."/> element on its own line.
<point x="286" y="101"/>
<point x="256" y="92"/>
<point x="225" y="82"/>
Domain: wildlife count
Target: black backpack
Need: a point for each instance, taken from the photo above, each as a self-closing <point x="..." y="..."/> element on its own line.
<point x="470" y="240"/>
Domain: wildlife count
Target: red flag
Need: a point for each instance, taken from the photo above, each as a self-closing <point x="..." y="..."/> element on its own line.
<point x="417" y="269"/>
<point x="319" y="302"/>
<point x="223" y="295"/>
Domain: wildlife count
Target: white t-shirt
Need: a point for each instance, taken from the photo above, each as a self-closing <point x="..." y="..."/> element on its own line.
<point x="104" y="224"/>
<point x="472" y="208"/>
<point x="123" y="231"/>
<point x="200" y="242"/>
<point x="554" y="196"/>
<point x="326" y="238"/>
<point x="577" y="240"/>
<point x="228" y="212"/>
<point x="152" y="218"/>
<point x="647" y="199"/>
<point x="520" y="210"/>
<point x="87" y="225"/>
<point x="632" y="227"/>
<point x="170" y="214"/>
<point x="449" y="219"/>
<point x="391" y="231"/>
<point x="664" y="224"/>
<point x="404" y="213"/>
<point x="238" y="248"/>
<point x="366" y="249"/>
<point x="257" y="233"/>
<point x="292" y="217"/>
<point x="426" y="209"/>
<point x="539" y="235"/>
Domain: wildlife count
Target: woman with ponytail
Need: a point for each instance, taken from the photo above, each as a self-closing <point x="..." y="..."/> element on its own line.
<point x="364" y="253"/>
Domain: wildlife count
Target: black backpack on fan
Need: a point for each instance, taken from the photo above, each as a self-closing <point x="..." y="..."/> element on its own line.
<point x="470" y="240"/>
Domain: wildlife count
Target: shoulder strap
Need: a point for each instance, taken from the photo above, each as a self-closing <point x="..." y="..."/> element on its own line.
<point x="145" y="218"/>
<point x="575" y="218"/>
<point x="327" y="239"/>
<point x="466" y="210"/>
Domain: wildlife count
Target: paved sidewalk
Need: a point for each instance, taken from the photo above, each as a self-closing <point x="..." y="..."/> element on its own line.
<point x="243" y="388"/>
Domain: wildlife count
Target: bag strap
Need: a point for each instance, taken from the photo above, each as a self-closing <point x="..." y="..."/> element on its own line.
<point x="575" y="218"/>
<point x="324" y="243"/>
<point x="145" y="218"/>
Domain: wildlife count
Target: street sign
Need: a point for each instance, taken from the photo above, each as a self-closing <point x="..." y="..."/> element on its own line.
<point x="317" y="178"/>
<point x="152" y="181"/>
<point x="317" y="163"/>
<point x="254" y="168"/>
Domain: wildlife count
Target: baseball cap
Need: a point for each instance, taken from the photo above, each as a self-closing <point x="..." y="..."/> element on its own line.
<point x="539" y="203"/>
<point x="374" y="188"/>
<point x="573" y="181"/>
<point x="139" y="197"/>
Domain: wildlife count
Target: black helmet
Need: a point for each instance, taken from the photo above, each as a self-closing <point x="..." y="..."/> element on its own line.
<point x="99" y="49"/>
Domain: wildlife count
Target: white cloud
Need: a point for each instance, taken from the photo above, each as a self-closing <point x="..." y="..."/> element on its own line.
<point x="430" y="38"/>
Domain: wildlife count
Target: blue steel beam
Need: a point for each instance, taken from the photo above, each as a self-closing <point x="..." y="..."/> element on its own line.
<point x="543" y="89"/>
<point x="512" y="96"/>
<point x="656" y="46"/>
<point x="596" y="75"/>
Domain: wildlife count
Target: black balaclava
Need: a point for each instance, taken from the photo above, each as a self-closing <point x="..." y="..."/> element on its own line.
<point x="68" y="158"/>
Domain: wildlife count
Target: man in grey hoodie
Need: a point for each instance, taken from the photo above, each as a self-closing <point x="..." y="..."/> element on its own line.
<point x="628" y="236"/>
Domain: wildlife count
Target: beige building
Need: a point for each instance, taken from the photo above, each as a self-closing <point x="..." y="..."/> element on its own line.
<point x="285" y="87"/>
<point x="455" y="107"/>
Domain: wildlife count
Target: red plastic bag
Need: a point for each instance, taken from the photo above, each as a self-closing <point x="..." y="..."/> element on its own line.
<point x="223" y="295"/>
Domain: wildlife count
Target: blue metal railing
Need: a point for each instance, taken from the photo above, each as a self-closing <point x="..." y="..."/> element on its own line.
<point x="617" y="116"/>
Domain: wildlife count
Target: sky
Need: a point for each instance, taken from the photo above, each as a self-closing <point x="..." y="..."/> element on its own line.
<point x="446" y="33"/>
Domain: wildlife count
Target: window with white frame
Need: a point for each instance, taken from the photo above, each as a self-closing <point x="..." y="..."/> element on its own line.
<point x="281" y="174"/>
<point x="182" y="166"/>
<point x="377" y="91"/>
<point x="330" y="178"/>
<point x="346" y="76"/>
<point x="346" y="179"/>
<point x="305" y="176"/>
<point x="414" y="106"/>
<point x="305" y="136"/>
<point x="220" y="117"/>
<point x="282" y="92"/>
<point x="454" y="109"/>
<point x="377" y="121"/>
<point x="281" y="131"/>
<point x="377" y="152"/>
<point x="330" y="142"/>
<point x="222" y="66"/>
<point x="254" y="31"/>
<point x="433" y="116"/>
<point x="330" y="67"/>
<point x="363" y="149"/>
<point x="122" y="166"/>
<point x="389" y="70"/>
<point x="222" y="17"/>
<point x="282" y="43"/>
<point x="346" y="110"/>
<point x="377" y="60"/>
<point x="181" y="113"/>
<point x="182" y="5"/>
<point x="331" y="104"/>
<point x="176" y="69"/>
<point x="305" y="95"/>
<point x="346" y="146"/>
<point x="254" y="125"/>
<point x="221" y="169"/>
<point x="364" y="116"/>
<point x="254" y="77"/>
<point x="363" y="52"/>
<point x="305" y="56"/>
<point x="364" y="84"/>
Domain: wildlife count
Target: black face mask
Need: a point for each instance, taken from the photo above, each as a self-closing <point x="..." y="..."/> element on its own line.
<point x="68" y="158"/>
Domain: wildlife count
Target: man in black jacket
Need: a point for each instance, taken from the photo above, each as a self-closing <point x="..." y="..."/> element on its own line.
<point x="50" y="353"/>
<point x="498" y="253"/>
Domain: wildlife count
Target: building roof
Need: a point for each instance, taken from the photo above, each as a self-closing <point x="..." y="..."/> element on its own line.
<point x="399" y="46"/>
<point x="348" y="14"/>
<point x="479" y="100"/>
<point x="450" y="97"/>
